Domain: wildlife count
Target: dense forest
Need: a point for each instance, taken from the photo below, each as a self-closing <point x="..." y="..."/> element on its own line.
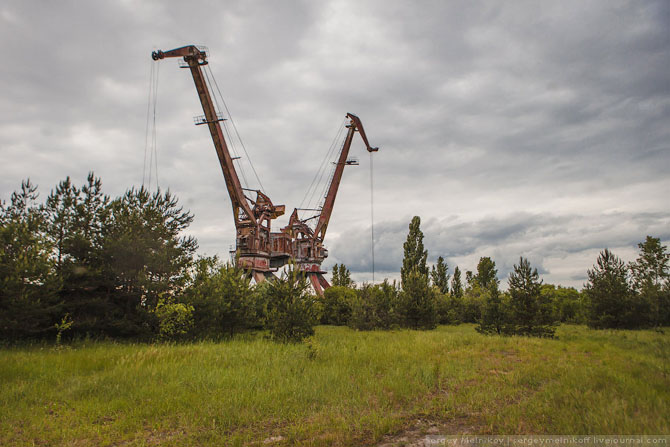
<point x="82" y="264"/>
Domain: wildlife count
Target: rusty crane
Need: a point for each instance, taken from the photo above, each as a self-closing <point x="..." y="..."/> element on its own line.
<point x="308" y="250"/>
<point x="261" y="251"/>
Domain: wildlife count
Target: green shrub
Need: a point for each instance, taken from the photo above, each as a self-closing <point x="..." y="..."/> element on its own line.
<point x="292" y="311"/>
<point x="337" y="301"/>
<point x="472" y="303"/>
<point x="373" y="307"/>
<point x="495" y="316"/>
<point x="175" y="320"/>
<point x="449" y="308"/>
<point x="223" y="300"/>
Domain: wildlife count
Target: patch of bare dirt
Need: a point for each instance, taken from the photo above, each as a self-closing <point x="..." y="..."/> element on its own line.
<point x="429" y="433"/>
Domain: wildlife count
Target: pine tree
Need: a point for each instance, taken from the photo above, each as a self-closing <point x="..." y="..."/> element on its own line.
<point x="415" y="254"/>
<point x="610" y="300"/>
<point x="440" y="276"/>
<point x="529" y="312"/>
<point x="146" y="256"/>
<point x="222" y="299"/>
<point x="29" y="305"/>
<point x="77" y="219"/>
<point x="60" y="211"/>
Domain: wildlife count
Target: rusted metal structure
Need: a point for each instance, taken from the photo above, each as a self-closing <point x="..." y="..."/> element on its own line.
<point x="308" y="250"/>
<point x="260" y="251"/>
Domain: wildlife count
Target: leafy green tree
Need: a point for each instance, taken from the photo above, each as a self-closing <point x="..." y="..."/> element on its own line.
<point x="292" y="311"/>
<point x="494" y="311"/>
<point x="566" y="301"/>
<point x="487" y="273"/>
<point x="29" y="305"/>
<point x="529" y="312"/>
<point x="373" y="307"/>
<point x="650" y="279"/>
<point x="456" y="284"/>
<point x="342" y="276"/>
<point x="415" y="254"/>
<point x="610" y="299"/>
<point x="439" y="276"/>
<point x="337" y="301"/>
<point x="472" y="302"/>
<point x="469" y="279"/>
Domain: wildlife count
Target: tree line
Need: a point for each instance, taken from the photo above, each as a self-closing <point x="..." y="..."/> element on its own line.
<point x="83" y="264"/>
<point x="616" y="295"/>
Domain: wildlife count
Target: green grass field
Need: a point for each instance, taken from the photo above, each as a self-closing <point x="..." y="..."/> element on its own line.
<point x="341" y="388"/>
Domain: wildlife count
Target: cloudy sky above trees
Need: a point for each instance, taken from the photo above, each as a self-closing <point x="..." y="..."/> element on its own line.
<point x="535" y="129"/>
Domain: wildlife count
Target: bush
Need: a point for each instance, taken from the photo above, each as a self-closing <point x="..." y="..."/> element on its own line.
<point x="223" y="300"/>
<point x="373" y="307"/>
<point x="175" y="320"/>
<point x="494" y="314"/>
<point x="567" y="303"/>
<point x="337" y="301"/>
<point x="292" y="311"/>
<point x="473" y="301"/>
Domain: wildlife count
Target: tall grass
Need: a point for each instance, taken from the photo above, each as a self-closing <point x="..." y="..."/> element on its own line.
<point x="340" y="388"/>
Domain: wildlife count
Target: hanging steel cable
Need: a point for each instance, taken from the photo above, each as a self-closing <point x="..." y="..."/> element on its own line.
<point x="326" y="168"/>
<point x="322" y="166"/>
<point x="209" y="77"/>
<point x="372" y="220"/>
<point x="150" y="139"/>
<point x="232" y="121"/>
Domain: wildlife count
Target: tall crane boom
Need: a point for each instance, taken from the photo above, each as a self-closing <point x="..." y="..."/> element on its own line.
<point x="308" y="249"/>
<point x="252" y="218"/>
<point x="195" y="58"/>
<point x="354" y="126"/>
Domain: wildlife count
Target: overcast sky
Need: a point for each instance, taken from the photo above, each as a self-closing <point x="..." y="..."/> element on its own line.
<point x="523" y="128"/>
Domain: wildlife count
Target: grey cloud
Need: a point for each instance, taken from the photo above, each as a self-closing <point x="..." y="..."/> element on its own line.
<point x="537" y="237"/>
<point x="517" y="128"/>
